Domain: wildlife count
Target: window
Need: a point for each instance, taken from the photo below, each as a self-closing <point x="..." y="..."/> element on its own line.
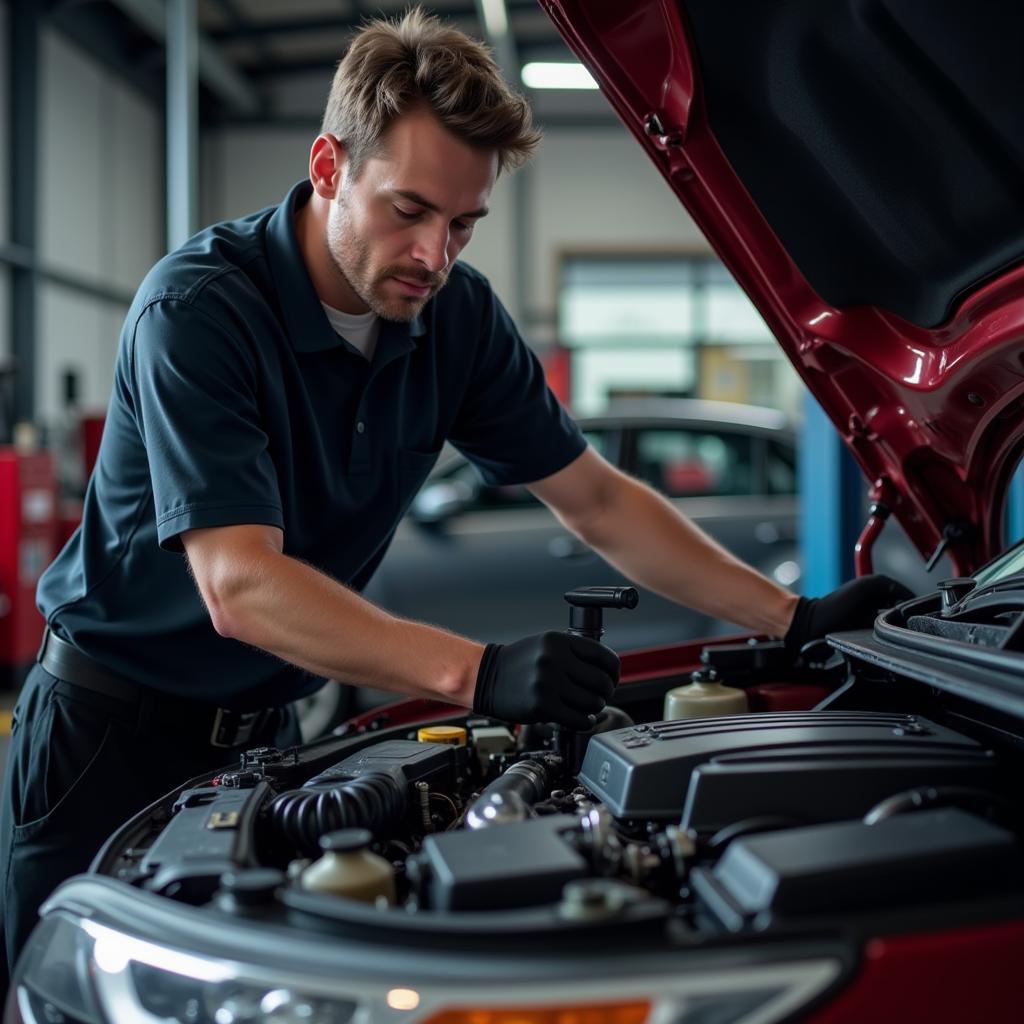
<point x="694" y="463"/>
<point x="779" y="468"/>
<point x="646" y="325"/>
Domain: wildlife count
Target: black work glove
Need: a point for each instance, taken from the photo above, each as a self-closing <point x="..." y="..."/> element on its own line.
<point x="854" y="605"/>
<point x="550" y="677"/>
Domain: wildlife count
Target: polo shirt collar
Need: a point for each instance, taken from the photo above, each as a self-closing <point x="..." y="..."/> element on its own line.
<point x="305" y="321"/>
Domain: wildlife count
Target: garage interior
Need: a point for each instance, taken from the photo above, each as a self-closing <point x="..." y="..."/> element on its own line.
<point x="126" y="126"/>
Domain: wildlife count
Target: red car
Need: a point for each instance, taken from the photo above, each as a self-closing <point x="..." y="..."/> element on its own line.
<point x="849" y="849"/>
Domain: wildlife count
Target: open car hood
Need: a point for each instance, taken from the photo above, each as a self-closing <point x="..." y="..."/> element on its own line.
<point x="859" y="168"/>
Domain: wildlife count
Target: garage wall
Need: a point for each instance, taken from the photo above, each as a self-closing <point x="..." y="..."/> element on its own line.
<point x="245" y="169"/>
<point x="5" y="234"/>
<point x="100" y="216"/>
<point x="74" y="132"/>
<point x="101" y="219"/>
<point x="597" y="190"/>
<point x="78" y="333"/>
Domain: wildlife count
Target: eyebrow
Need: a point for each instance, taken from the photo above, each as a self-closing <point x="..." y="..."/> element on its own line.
<point x="415" y="197"/>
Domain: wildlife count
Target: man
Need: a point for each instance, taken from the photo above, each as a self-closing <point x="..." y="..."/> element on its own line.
<point x="284" y="384"/>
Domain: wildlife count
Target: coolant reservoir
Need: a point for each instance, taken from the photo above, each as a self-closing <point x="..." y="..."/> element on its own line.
<point x="348" y="868"/>
<point x="705" y="697"/>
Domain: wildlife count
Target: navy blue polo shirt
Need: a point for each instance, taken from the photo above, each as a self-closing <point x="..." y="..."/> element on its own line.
<point x="235" y="402"/>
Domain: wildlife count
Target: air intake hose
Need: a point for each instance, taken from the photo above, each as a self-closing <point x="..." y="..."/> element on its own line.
<point x="508" y="797"/>
<point x="375" y="801"/>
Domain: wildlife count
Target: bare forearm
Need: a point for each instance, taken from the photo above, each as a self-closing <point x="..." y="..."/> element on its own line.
<point x="290" y="609"/>
<point x="644" y="536"/>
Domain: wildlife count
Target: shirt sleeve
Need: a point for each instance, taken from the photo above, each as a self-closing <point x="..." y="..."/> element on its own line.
<point x="196" y="401"/>
<point x="510" y="424"/>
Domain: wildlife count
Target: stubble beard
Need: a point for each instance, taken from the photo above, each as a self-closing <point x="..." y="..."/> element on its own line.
<point x="350" y="255"/>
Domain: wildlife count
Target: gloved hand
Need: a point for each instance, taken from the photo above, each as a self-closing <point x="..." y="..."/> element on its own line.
<point x="550" y="677"/>
<point x="854" y="605"/>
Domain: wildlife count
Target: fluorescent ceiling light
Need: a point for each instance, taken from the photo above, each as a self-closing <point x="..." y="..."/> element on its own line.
<point x="495" y="19"/>
<point x="560" y="75"/>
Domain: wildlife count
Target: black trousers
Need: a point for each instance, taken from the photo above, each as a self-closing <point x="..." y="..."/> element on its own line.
<point x="79" y="765"/>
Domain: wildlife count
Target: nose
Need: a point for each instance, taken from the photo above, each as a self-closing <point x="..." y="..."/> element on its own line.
<point x="430" y="247"/>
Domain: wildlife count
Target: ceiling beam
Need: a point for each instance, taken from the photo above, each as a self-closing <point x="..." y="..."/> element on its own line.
<point x="328" y="62"/>
<point x="216" y="72"/>
<point x="311" y="121"/>
<point x="297" y="26"/>
<point x="248" y="31"/>
<point x="235" y="20"/>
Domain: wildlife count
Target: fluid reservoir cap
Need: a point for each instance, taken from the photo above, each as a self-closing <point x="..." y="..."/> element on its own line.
<point x="346" y="840"/>
<point x="453" y="735"/>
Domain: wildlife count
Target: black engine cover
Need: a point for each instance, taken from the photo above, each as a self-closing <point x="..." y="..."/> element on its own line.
<point x="811" y="766"/>
<point x="521" y="864"/>
<point x="407" y="761"/>
<point x="923" y="857"/>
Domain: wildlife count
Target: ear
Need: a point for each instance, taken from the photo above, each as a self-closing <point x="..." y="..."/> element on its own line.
<point x="328" y="159"/>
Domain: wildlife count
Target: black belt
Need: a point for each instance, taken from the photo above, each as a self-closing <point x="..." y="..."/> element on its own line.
<point x="223" y="727"/>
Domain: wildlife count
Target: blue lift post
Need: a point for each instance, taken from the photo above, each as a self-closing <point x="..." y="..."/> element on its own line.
<point x="832" y="508"/>
<point x="832" y="504"/>
<point x="1015" y="507"/>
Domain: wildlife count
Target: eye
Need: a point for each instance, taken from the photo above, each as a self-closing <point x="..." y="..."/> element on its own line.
<point x="460" y="225"/>
<point x="407" y="214"/>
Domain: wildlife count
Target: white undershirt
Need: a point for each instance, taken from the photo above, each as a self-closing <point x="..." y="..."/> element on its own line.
<point x="359" y="329"/>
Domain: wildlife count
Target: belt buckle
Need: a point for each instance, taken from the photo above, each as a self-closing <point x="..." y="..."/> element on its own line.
<point x="233" y="728"/>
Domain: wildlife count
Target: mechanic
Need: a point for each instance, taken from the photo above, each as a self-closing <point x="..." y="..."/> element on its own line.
<point x="283" y="386"/>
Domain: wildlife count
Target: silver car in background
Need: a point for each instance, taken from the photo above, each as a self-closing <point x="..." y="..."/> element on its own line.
<point x="493" y="562"/>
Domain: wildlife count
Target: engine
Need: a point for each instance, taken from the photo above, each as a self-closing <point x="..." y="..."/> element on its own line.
<point x="722" y="823"/>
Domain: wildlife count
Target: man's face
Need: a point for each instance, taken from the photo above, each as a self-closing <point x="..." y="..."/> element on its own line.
<point x="394" y="232"/>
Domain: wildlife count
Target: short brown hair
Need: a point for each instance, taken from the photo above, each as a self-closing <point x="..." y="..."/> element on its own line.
<point x="393" y="66"/>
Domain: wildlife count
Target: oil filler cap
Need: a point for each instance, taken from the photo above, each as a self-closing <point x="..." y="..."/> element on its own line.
<point x="453" y="735"/>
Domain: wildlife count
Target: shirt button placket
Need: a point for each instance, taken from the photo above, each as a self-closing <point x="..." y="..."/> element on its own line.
<point x="360" y="448"/>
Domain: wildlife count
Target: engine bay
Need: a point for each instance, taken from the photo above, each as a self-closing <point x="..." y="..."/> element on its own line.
<point x="882" y="797"/>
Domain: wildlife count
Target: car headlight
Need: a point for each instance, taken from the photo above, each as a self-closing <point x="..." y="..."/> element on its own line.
<point x="80" y="971"/>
